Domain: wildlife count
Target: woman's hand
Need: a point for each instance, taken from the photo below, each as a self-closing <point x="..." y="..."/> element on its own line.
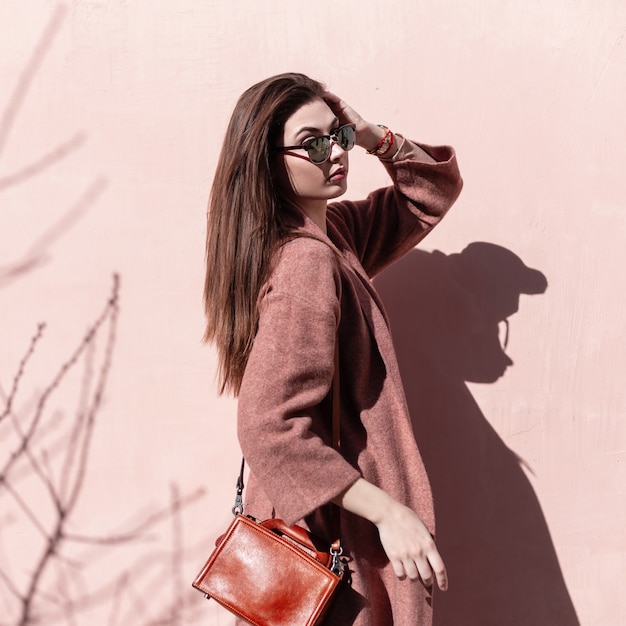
<point x="344" y="112"/>
<point x="410" y="547"/>
<point x="407" y="543"/>
<point x="368" y="135"/>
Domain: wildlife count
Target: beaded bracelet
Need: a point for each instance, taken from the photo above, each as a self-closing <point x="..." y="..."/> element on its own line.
<point x="384" y="144"/>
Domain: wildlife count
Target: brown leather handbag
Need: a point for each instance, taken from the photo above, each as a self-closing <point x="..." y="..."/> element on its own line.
<point x="271" y="574"/>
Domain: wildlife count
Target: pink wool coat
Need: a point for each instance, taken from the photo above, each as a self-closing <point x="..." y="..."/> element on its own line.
<point x="319" y="289"/>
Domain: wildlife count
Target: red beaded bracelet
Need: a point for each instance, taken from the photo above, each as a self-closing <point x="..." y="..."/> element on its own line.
<point x="384" y="144"/>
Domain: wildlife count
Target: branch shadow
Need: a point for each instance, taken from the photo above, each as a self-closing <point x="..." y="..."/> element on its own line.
<point x="44" y="459"/>
<point x="31" y="68"/>
<point x="66" y="576"/>
<point x="446" y="312"/>
<point x="39" y="251"/>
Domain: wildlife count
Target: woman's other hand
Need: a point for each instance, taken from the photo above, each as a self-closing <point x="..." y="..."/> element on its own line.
<point x="410" y="547"/>
<point x="368" y="135"/>
<point x="407" y="543"/>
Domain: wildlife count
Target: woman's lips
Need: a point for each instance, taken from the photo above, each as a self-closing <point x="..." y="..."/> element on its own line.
<point x="338" y="175"/>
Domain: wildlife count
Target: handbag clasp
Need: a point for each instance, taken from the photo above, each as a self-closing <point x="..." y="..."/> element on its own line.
<point x="336" y="565"/>
<point x="238" y="507"/>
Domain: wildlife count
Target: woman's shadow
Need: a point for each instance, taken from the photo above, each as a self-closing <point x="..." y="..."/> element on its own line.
<point x="447" y="314"/>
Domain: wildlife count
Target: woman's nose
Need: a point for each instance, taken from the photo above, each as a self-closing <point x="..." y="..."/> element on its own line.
<point x="336" y="151"/>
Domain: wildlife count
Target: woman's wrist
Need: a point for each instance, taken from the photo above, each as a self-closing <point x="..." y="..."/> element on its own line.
<point x="366" y="500"/>
<point x="378" y="140"/>
<point x="370" y="136"/>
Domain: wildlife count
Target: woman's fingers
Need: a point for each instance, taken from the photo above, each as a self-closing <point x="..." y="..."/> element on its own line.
<point x="334" y="102"/>
<point x="432" y="569"/>
<point x="345" y="113"/>
<point x="439" y="570"/>
<point x="398" y="568"/>
<point x="411" y="548"/>
<point x="429" y="570"/>
<point x="426" y="574"/>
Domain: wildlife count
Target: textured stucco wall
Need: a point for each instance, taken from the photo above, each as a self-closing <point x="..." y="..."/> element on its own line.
<point x="112" y="113"/>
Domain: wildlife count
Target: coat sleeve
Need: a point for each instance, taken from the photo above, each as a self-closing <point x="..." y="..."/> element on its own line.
<point x="284" y="417"/>
<point x="392" y="220"/>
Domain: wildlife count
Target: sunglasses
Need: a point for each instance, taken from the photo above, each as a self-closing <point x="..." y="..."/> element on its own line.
<point x="318" y="148"/>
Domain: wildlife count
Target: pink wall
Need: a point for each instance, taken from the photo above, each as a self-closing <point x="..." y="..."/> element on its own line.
<point x="112" y="113"/>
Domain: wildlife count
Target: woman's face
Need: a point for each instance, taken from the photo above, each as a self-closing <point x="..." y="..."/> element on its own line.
<point x="309" y="184"/>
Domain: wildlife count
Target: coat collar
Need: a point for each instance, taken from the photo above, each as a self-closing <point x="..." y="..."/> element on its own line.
<point x="299" y="222"/>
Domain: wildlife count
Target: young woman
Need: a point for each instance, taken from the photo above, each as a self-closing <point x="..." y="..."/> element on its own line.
<point x="289" y="275"/>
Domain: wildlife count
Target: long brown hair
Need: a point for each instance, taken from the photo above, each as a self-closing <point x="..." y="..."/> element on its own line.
<point x="244" y="223"/>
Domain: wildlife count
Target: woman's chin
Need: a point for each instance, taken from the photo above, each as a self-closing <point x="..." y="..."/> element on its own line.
<point x="338" y="188"/>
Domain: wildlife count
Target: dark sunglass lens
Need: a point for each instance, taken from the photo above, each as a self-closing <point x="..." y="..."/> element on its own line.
<point x="318" y="149"/>
<point x="346" y="137"/>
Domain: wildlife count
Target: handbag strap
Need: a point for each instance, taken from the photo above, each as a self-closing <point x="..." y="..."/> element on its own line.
<point x="335" y="510"/>
<point x="336" y="401"/>
<point x="336" y="442"/>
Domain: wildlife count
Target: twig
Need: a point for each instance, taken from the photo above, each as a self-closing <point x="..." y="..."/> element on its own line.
<point x="20" y="372"/>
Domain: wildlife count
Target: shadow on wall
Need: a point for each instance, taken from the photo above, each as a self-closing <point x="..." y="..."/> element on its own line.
<point x="39" y="250"/>
<point x="446" y="314"/>
<point x="51" y="571"/>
